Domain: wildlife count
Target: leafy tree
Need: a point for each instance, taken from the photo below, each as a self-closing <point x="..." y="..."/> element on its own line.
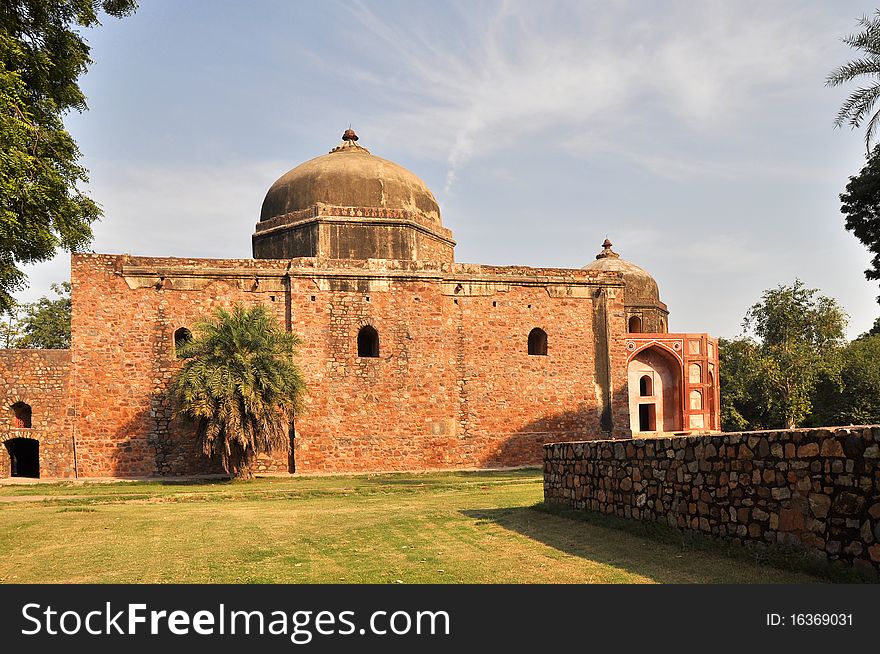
<point x="860" y="203"/>
<point x="799" y="335"/>
<point x="854" y="398"/>
<point x="9" y="328"/>
<point x="858" y="106"/>
<point x="46" y="323"/>
<point x="743" y="393"/>
<point x="239" y="384"/>
<point x="42" y="55"/>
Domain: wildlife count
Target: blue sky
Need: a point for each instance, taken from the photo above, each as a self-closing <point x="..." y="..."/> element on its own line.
<point x="696" y="135"/>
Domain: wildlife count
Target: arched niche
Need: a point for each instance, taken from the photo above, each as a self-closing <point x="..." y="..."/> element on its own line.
<point x="368" y="342"/>
<point x="660" y="412"/>
<point x="181" y="337"/>
<point x="21" y="415"/>
<point x="537" y="345"/>
<point x="635" y="325"/>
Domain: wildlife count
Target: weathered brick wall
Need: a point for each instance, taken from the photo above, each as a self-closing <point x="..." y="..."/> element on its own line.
<point x="816" y="488"/>
<point x="453" y="385"/>
<point x="122" y="360"/>
<point x="38" y="378"/>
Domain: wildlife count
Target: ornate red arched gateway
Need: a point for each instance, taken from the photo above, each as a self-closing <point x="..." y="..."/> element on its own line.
<point x="682" y="373"/>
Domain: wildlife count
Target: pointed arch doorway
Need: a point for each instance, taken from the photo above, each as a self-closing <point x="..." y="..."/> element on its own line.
<point x="654" y="377"/>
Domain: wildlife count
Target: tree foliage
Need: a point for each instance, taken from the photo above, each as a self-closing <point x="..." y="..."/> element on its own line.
<point x="239" y="384"/>
<point x="798" y="337"/>
<point x="860" y="203"/>
<point x="860" y="103"/>
<point x="9" y="329"/>
<point x="46" y="322"/>
<point x="853" y="398"/>
<point x="42" y="55"/>
<point x="743" y="392"/>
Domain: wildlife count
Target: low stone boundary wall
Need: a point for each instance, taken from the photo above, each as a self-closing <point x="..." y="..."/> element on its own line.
<point x="817" y="488"/>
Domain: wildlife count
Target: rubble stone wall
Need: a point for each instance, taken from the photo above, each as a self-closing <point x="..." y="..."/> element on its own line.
<point x="817" y="488"/>
<point x="39" y="379"/>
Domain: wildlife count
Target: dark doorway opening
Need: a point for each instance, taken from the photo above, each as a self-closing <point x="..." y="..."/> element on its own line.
<point x="647" y="417"/>
<point x="24" y="453"/>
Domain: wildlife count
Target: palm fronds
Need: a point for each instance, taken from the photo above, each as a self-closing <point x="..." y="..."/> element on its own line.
<point x="860" y="103"/>
<point x="239" y="384"/>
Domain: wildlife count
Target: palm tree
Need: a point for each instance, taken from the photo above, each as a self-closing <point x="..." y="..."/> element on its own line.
<point x="861" y="101"/>
<point x="239" y="384"/>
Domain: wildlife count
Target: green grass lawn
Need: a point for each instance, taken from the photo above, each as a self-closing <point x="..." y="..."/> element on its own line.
<point x="433" y="528"/>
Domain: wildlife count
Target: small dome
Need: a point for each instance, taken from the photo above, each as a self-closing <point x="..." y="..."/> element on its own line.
<point x="641" y="289"/>
<point x="349" y="176"/>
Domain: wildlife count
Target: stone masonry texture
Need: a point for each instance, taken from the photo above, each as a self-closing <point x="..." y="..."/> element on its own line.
<point x="815" y="488"/>
<point x="453" y="385"/>
<point x="348" y="241"/>
<point x="38" y="378"/>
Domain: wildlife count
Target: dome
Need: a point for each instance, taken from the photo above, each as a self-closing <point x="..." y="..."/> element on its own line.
<point x="641" y="289"/>
<point x="349" y="176"/>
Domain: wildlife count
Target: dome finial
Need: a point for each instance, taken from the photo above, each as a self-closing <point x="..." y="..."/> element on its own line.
<point x="607" y="251"/>
<point x="349" y="144"/>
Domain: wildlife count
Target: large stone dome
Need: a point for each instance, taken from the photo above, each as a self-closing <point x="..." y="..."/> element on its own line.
<point x="350" y="176"/>
<point x="641" y="289"/>
<point x="350" y="204"/>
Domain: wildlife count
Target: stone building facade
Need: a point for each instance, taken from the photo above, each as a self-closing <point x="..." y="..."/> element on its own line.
<point x="412" y="361"/>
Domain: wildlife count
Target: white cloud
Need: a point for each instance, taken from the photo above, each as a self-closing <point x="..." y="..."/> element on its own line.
<point x="571" y="70"/>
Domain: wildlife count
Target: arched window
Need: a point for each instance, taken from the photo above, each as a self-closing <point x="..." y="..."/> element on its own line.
<point x="21" y="415"/>
<point x="635" y="325"/>
<point x="368" y="342"/>
<point x="538" y="342"/>
<point x="181" y="336"/>
<point x="646" y="386"/>
<point x="695" y="373"/>
<point x="696" y="401"/>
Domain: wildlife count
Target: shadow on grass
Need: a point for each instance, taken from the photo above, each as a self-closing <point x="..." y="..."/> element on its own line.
<point x="451" y="476"/>
<point x="659" y="552"/>
<point x="211" y="481"/>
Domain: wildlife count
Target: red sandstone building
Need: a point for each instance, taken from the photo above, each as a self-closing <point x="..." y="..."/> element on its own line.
<point x="413" y="361"/>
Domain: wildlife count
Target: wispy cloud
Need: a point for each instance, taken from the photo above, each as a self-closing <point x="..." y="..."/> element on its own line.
<point x="573" y="71"/>
<point x="679" y="128"/>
